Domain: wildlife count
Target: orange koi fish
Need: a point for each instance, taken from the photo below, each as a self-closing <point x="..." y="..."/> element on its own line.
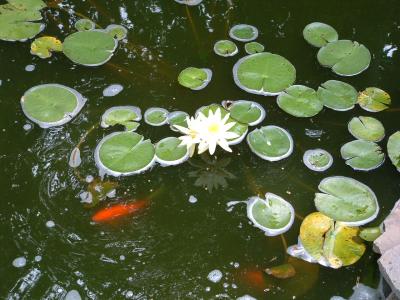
<point x="253" y="277"/>
<point x="119" y="210"/>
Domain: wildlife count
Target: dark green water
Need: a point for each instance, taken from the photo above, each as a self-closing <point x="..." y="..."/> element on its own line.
<point x="170" y="247"/>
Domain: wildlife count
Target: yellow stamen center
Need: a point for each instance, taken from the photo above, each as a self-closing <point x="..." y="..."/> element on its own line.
<point x="213" y="128"/>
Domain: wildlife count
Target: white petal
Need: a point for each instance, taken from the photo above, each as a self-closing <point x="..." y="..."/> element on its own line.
<point x="212" y="145"/>
<point x="230" y="135"/>
<point x="218" y="114"/>
<point x="224" y="145"/>
<point x="202" y="147"/>
<point x="182" y="129"/>
<point x="229" y="125"/>
<point x="191" y="150"/>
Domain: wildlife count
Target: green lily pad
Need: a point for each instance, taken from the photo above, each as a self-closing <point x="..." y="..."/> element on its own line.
<point x="318" y="160"/>
<point x="346" y="200"/>
<point x="44" y="46"/>
<point x="366" y="128"/>
<point x="177" y="118"/>
<point x="124" y="153"/>
<point x="253" y="48"/>
<point x="337" y="95"/>
<point x="374" y="99"/>
<point x="122" y="115"/>
<point x="169" y="152"/>
<point x="90" y="48"/>
<point x="84" y="24"/>
<point x="225" y="48"/>
<point x="393" y="148"/>
<point x="274" y="215"/>
<point x="370" y="234"/>
<point x="300" y="101"/>
<point x="51" y="105"/>
<point x="243" y="33"/>
<point x="118" y="32"/>
<point x="264" y="74"/>
<point x="270" y="142"/>
<point x="156" y="116"/>
<point x="18" y="20"/>
<point x="195" y="78"/>
<point x="319" y="34"/>
<point x="362" y="155"/>
<point x="346" y="58"/>
<point x="189" y="2"/>
<point x="247" y="112"/>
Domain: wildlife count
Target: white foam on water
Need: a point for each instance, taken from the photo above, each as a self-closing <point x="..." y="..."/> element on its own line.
<point x="122" y="257"/>
<point x="19" y="262"/>
<point x="30" y="68"/>
<point x="214" y="276"/>
<point x="27" y="127"/>
<point x="112" y="193"/>
<point x="50" y="224"/>
<point x="38" y="258"/>
<point x="86" y="197"/>
<point x="192" y="199"/>
<point x="112" y="90"/>
<point x="89" y="178"/>
<point x="73" y="295"/>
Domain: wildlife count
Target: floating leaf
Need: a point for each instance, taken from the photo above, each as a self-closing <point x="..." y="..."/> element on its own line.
<point x="370" y="234"/>
<point x="337" y="95"/>
<point x="177" y="118"/>
<point x="318" y="160"/>
<point x="282" y="271"/>
<point x="247" y="112"/>
<point x="271" y="142"/>
<point x="75" y="158"/>
<point x="156" y="116"/>
<point x="366" y="128"/>
<point x="264" y="74"/>
<point x="373" y="99"/>
<point x="124" y="153"/>
<point x="169" y="152"/>
<point x="189" y="2"/>
<point x="51" y="105"/>
<point x="118" y="32"/>
<point x="225" y="48"/>
<point x="393" y="148"/>
<point x="253" y="47"/>
<point x="84" y="24"/>
<point x="195" y="78"/>
<point x="243" y="33"/>
<point x="300" y="101"/>
<point x="319" y="34"/>
<point x="346" y="58"/>
<point x="362" y="155"/>
<point x="44" y="46"/>
<point x="122" y="115"/>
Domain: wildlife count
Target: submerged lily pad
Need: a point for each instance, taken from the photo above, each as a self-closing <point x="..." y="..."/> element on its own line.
<point x="270" y="142"/>
<point x="318" y="160"/>
<point x="90" y="48"/>
<point x="337" y="95"/>
<point x="44" y="46"/>
<point x="374" y="99"/>
<point x="195" y="78"/>
<point x="122" y="115"/>
<point x="319" y="34"/>
<point x="118" y="32"/>
<point x="84" y="24"/>
<point x="169" y="152"/>
<point x="393" y="147"/>
<point x="253" y="47"/>
<point x="282" y="271"/>
<point x="274" y="215"/>
<point x="264" y="74"/>
<point x="243" y="33"/>
<point x="156" y="116"/>
<point x="346" y="200"/>
<point x="362" y="155"/>
<point x="51" y="105"/>
<point x="247" y="112"/>
<point x="300" y="101"/>
<point x="225" y="48"/>
<point x="124" y="153"/>
<point x="366" y="128"/>
<point x="346" y="58"/>
<point x="177" y="118"/>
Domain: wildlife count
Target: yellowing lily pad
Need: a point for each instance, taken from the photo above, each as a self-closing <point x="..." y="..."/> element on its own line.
<point x="319" y="34"/>
<point x="374" y="99"/>
<point x="44" y="46"/>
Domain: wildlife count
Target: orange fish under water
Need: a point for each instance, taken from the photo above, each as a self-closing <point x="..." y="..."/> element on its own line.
<point x="253" y="278"/>
<point x="119" y="210"/>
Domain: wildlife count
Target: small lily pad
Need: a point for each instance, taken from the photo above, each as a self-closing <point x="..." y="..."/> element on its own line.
<point x="122" y="115"/>
<point x="189" y="2"/>
<point x="393" y="148"/>
<point x="195" y="78"/>
<point x="318" y="160"/>
<point x="156" y="116"/>
<point x="118" y="32"/>
<point x="337" y="95"/>
<point x="374" y="99"/>
<point x="51" y="105"/>
<point x="253" y="48"/>
<point x="44" y="46"/>
<point x="270" y="142"/>
<point x="243" y="33"/>
<point x="319" y="34"/>
<point x="362" y="155"/>
<point x="247" y="112"/>
<point x="169" y="152"/>
<point x="84" y="24"/>
<point x="366" y="128"/>
<point x="225" y="48"/>
<point x="177" y="118"/>
<point x="370" y="234"/>
<point x="300" y="101"/>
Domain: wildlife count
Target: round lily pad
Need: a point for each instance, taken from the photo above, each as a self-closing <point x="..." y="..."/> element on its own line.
<point x="177" y="118"/>
<point x="318" y="160"/>
<point x="393" y="148"/>
<point x="247" y="112"/>
<point x="156" y="116"/>
<point x="51" y="105"/>
<point x="346" y="58"/>
<point x="243" y="33"/>
<point x="346" y="200"/>
<point x="270" y="142"/>
<point x="90" y="48"/>
<point x="253" y="47"/>
<point x="189" y="2"/>
<point x="169" y="152"/>
<point x="84" y="24"/>
<point x="118" y="32"/>
<point x="122" y="115"/>
<point x="300" y="101"/>
<point x="195" y="78"/>
<point x="274" y="215"/>
<point x="44" y="46"/>
<point x="264" y="74"/>
<point x="225" y="48"/>
<point x="366" y="128"/>
<point x="124" y="153"/>
<point x="374" y="99"/>
<point x="362" y="155"/>
<point x="319" y="34"/>
<point x="337" y="95"/>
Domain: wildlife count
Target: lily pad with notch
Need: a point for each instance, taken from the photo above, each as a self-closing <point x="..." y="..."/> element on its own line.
<point x="318" y="160"/>
<point x="244" y="111"/>
<point x="300" y="101"/>
<point x="243" y="32"/>
<point x="118" y="32"/>
<point x="169" y="152"/>
<point x="225" y="48"/>
<point x="366" y="128"/>
<point x="374" y="99"/>
<point x="156" y="116"/>
<point x="84" y="24"/>
<point x="45" y="46"/>
<point x="253" y="47"/>
<point x="319" y="34"/>
<point x="127" y="116"/>
<point x="337" y="95"/>
<point x="195" y="78"/>
<point x="362" y="155"/>
<point x="393" y="148"/>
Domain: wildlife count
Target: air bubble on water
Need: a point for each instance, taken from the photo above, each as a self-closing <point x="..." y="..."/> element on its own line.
<point x="50" y="224"/>
<point x="80" y="282"/>
<point x="27" y="127"/>
<point x="234" y="286"/>
<point x="86" y="197"/>
<point x="73" y="295"/>
<point x="38" y="258"/>
<point x="19" y="262"/>
<point x="129" y="294"/>
<point x="192" y="199"/>
<point x="236" y="265"/>
<point x="30" y="68"/>
<point x="89" y="178"/>
<point x="225" y="285"/>
<point x="112" y="90"/>
<point x="214" y="276"/>
<point x="122" y="257"/>
<point x="208" y="289"/>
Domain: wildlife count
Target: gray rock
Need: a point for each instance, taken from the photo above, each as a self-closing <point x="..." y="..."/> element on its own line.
<point x="390" y="238"/>
<point x="389" y="265"/>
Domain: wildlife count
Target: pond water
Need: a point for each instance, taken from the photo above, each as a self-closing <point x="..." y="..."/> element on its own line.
<point x="168" y="249"/>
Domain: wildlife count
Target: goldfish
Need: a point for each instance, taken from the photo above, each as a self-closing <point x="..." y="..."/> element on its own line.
<point x="119" y="210"/>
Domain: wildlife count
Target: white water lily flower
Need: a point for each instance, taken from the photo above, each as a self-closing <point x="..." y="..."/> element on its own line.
<point x="192" y="136"/>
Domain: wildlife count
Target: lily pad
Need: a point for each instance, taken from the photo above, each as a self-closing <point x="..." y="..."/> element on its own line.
<point x="177" y="118"/>
<point x="270" y="142"/>
<point x="118" y="32"/>
<point x="169" y="152"/>
<point x="393" y="148"/>
<point x="122" y="115"/>
<point x="274" y="215"/>
<point x="264" y="74"/>
<point x="189" y="2"/>
<point x="243" y="33"/>
<point x="318" y="160"/>
<point x="90" y="48"/>
<point x="195" y="78"/>
<point x="18" y="20"/>
<point x="44" y="46"/>
<point x="247" y="112"/>
<point x="156" y="116"/>
<point x="370" y="234"/>
<point x="337" y="95"/>
<point x="346" y="200"/>
<point x="225" y="48"/>
<point x="366" y="128"/>
<point x="362" y="155"/>
<point x="300" y="101"/>
<point x="374" y="99"/>
<point x="319" y="34"/>
<point x="51" y="105"/>
<point x="84" y="24"/>
<point x="284" y="271"/>
<point x="346" y="58"/>
<point x="253" y="48"/>
<point x="124" y="153"/>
